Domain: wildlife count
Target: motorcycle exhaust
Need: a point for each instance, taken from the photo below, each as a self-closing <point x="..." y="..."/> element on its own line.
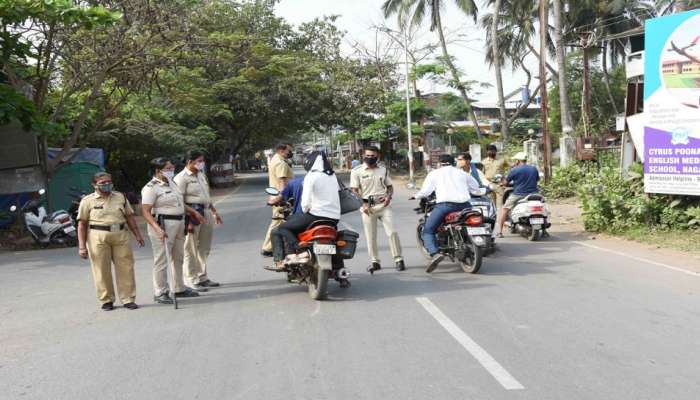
<point x="343" y="273"/>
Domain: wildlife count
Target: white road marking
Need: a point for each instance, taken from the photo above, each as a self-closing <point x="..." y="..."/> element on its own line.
<point x="489" y="363"/>
<point x="619" y="253"/>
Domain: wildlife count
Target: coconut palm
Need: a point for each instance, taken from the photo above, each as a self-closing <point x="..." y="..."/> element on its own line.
<point x="414" y="12"/>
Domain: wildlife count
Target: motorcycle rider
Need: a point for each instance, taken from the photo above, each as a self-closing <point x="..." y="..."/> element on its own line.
<point x="319" y="201"/>
<point x="524" y="179"/>
<point x="453" y="188"/>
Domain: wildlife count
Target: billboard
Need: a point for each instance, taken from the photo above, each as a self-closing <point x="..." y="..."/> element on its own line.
<point x="672" y="104"/>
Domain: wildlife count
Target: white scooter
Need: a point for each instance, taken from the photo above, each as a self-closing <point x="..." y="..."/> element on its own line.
<point x="529" y="216"/>
<point x="57" y="228"/>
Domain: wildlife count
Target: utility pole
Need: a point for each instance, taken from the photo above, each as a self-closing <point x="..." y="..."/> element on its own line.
<point x="411" y="182"/>
<point x="543" y="91"/>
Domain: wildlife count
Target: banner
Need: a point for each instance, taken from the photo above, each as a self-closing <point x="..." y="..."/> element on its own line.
<point x="672" y="104"/>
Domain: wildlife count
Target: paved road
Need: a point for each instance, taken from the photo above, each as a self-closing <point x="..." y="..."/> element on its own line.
<point x="548" y="320"/>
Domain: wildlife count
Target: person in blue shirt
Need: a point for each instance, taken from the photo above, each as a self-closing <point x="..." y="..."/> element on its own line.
<point x="294" y="190"/>
<point x="524" y="179"/>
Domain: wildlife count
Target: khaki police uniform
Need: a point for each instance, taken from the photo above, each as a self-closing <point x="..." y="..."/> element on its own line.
<point x="169" y="211"/>
<point x="493" y="167"/>
<point x="107" y="243"/>
<point x="372" y="184"/>
<point x="195" y="189"/>
<point x="278" y="168"/>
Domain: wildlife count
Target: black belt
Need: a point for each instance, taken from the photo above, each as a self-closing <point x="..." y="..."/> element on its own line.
<point x="172" y="217"/>
<point x="108" y="228"/>
<point x="196" y="204"/>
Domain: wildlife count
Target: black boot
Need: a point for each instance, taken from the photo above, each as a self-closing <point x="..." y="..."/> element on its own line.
<point x="374" y="267"/>
<point x="400" y="266"/>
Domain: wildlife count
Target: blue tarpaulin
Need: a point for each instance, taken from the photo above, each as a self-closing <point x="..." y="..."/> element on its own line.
<point x="88" y="155"/>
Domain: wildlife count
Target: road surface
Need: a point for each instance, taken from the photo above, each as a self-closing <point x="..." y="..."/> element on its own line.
<point x="556" y="319"/>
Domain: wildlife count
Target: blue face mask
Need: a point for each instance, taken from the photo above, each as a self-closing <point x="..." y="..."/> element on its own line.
<point x="105" y="187"/>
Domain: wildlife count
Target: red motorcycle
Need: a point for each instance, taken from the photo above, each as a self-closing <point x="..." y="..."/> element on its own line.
<point x="327" y="248"/>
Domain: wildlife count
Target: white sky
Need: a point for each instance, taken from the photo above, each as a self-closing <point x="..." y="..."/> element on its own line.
<point x="357" y="17"/>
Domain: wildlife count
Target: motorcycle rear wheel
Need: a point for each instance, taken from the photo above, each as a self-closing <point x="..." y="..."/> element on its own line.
<point x="471" y="263"/>
<point x="421" y="245"/>
<point x="318" y="283"/>
<point x="534" y="235"/>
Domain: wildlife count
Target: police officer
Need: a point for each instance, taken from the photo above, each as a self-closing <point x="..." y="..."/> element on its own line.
<point x="102" y="220"/>
<point x="372" y="182"/>
<point x="494" y="166"/>
<point x="164" y="210"/>
<point x="280" y="173"/>
<point x="193" y="184"/>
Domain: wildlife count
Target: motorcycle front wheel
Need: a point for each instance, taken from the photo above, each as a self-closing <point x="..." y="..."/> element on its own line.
<point x="318" y="283"/>
<point x="471" y="263"/>
<point x="419" y="240"/>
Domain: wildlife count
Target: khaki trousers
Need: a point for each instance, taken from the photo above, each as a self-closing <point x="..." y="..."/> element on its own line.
<point x="384" y="215"/>
<point x="197" y="248"/>
<point x="161" y="269"/>
<point x="277" y="220"/>
<point x="105" y="248"/>
<point x="496" y="194"/>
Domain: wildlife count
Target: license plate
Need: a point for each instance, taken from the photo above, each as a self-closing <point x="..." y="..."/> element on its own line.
<point x="477" y="231"/>
<point x="69" y="229"/>
<point x="536" y="221"/>
<point x="324" y="248"/>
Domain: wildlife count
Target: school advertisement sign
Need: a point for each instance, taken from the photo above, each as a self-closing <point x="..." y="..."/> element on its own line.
<point x="672" y="104"/>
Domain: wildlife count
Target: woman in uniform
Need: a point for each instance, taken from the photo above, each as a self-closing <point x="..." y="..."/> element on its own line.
<point x="103" y="217"/>
<point x="164" y="210"/>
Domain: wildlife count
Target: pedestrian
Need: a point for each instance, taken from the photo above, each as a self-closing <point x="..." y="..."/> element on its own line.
<point x="494" y="166"/>
<point x="373" y="184"/>
<point x="163" y="207"/>
<point x="319" y="201"/>
<point x="279" y="174"/>
<point x="192" y="183"/>
<point x="355" y="162"/>
<point x="103" y="217"/>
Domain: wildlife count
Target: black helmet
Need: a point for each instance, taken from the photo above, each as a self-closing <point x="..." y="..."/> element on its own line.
<point x="447" y="159"/>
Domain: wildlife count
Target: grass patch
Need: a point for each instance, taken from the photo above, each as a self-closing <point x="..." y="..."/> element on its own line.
<point x="684" y="240"/>
<point x="682" y="81"/>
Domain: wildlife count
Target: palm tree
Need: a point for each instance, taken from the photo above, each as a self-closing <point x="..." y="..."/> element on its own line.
<point x="564" y="103"/>
<point x="497" y="67"/>
<point x="413" y="12"/>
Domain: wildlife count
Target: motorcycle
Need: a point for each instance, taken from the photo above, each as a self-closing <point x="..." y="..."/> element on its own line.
<point x="488" y="210"/>
<point x="464" y="235"/>
<point x="529" y="217"/>
<point x="57" y="228"/>
<point x="328" y="249"/>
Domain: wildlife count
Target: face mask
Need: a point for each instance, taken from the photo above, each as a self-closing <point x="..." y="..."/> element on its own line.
<point x="168" y="174"/>
<point x="289" y="154"/>
<point x="200" y="166"/>
<point x="371" y="160"/>
<point x="105" y="187"/>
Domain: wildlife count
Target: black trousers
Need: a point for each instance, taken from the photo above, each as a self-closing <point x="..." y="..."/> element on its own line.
<point x="288" y="231"/>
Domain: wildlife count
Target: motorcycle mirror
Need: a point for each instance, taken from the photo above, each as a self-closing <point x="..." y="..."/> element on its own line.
<point x="410" y="185"/>
<point x="13" y="208"/>
<point x="272" y="191"/>
<point x="42" y="192"/>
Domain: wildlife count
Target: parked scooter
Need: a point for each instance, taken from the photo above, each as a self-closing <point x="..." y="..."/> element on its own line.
<point x="57" y="228"/>
<point x="328" y="249"/>
<point x="529" y="216"/>
<point x="464" y="235"/>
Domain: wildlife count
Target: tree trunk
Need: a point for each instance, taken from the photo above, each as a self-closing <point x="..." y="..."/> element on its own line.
<point x="455" y="74"/>
<point x="682" y="5"/>
<point x="606" y="77"/>
<point x="497" y="68"/>
<point x="564" y="103"/>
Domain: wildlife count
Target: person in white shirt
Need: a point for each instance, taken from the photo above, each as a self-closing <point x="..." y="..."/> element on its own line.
<point x="319" y="201"/>
<point x="452" y="187"/>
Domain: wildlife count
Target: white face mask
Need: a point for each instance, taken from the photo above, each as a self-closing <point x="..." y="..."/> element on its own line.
<point x="168" y="174"/>
<point x="200" y="166"/>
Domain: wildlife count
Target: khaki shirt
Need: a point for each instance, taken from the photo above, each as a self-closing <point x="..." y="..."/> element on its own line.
<point x="370" y="181"/>
<point x="111" y="210"/>
<point x="194" y="187"/>
<point x="165" y="197"/>
<point x="278" y="169"/>
<point x="493" y="167"/>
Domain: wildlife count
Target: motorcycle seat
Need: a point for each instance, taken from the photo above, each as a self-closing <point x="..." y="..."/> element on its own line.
<point x="534" y="197"/>
<point x="458" y="215"/>
<point x="325" y="232"/>
<point x="324" y="222"/>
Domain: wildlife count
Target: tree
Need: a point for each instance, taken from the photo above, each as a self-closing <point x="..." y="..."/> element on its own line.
<point x="413" y="12"/>
<point x="565" y="107"/>
<point x="497" y="68"/>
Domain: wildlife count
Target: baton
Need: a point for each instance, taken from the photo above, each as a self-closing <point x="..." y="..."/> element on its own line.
<point x="172" y="268"/>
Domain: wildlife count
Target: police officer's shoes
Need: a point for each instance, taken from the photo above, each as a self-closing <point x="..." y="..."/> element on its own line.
<point x="374" y="267"/>
<point x="187" y="293"/>
<point x="434" y="262"/>
<point x="131" y="306"/>
<point x="266" y="253"/>
<point x="163" y="299"/>
<point x="209" y="283"/>
<point x="400" y="266"/>
<point x="198" y="288"/>
<point x="109" y="306"/>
